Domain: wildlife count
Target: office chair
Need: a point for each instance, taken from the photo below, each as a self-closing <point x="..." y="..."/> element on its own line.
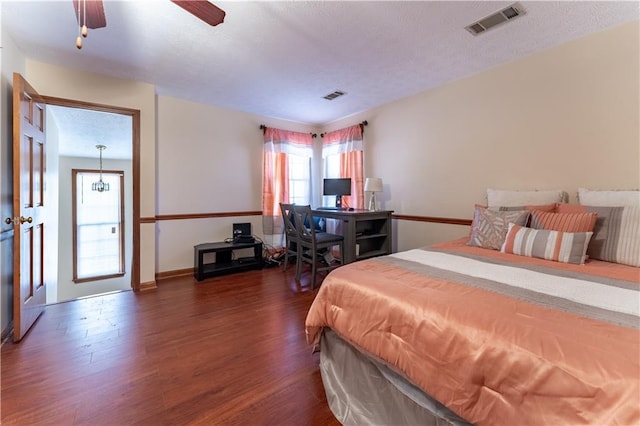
<point x="315" y="246"/>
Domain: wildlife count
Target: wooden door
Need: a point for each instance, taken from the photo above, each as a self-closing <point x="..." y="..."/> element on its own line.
<point x="29" y="293"/>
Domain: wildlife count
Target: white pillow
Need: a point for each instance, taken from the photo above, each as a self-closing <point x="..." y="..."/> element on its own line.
<point x="614" y="198"/>
<point x="506" y="198"/>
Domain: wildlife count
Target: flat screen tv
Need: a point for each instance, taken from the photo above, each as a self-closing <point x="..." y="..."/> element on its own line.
<point x="337" y="187"/>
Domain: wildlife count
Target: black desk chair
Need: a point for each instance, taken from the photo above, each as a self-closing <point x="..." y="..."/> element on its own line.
<point x="315" y="246"/>
<point x="291" y="237"/>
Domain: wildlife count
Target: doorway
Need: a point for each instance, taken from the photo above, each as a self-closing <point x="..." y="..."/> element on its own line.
<point x="73" y="132"/>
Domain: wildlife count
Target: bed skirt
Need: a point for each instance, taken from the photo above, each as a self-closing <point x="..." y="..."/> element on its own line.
<point x="362" y="390"/>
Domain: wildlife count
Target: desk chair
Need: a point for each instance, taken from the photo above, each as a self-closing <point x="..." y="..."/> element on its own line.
<point x="291" y="237"/>
<point x="315" y="246"/>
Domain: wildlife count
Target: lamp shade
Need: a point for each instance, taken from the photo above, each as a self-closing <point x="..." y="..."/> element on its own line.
<point x="373" y="185"/>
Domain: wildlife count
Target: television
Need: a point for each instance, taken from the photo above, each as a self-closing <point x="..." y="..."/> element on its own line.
<point x="337" y="187"/>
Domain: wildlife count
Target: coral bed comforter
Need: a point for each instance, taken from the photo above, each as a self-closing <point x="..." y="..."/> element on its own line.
<point x="497" y="338"/>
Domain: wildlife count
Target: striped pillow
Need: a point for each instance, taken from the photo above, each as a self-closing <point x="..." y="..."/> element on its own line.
<point x="566" y="247"/>
<point x="616" y="236"/>
<point x="565" y="222"/>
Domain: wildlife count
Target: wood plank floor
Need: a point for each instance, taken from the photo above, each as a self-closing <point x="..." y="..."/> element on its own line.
<point x="228" y="350"/>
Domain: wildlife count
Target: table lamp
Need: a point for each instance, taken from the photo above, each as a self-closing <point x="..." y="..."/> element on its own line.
<point x="373" y="185"/>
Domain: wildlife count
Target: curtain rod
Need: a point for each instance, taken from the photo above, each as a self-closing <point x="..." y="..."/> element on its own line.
<point x="264" y="129"/>
<point x="363" y="123"/>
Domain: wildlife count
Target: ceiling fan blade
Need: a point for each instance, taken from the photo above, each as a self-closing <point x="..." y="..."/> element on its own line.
<point x="95" y="13"/>
<point x="204" y="10"/>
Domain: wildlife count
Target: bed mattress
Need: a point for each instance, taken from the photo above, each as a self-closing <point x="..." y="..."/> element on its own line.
<point x="495" y="337"/>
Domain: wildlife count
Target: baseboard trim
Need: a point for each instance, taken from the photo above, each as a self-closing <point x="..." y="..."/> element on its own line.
<point x="149" y="285"/>
<point x="174" y="274"/>
<point x="6" y="333"/>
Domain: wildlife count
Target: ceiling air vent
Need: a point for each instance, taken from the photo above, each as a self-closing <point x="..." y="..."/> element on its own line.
<point x="332" y="96"/>
<point x="507" y="14"/>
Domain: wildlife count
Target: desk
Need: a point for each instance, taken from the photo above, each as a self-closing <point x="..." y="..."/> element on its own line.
<point x="366" y="233"/>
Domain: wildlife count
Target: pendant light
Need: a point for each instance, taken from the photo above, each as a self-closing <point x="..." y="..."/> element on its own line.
<point x="100" y="186"/>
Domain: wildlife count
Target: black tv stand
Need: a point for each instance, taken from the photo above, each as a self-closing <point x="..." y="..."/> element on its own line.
<point x="225" y="260"/>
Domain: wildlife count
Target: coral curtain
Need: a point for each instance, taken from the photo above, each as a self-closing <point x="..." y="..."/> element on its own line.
<point x="278" y="145"/>
<point x="349" y="144"/>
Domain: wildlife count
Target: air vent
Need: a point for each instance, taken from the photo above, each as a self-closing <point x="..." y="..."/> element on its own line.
<point x="488" y="22"/>
<point x="332" y="96"/>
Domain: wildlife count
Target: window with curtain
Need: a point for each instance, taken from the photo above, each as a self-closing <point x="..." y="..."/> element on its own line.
<point x="286" y="175"/>
<point x="343" y="157"/>
<point x="98" y="226"/>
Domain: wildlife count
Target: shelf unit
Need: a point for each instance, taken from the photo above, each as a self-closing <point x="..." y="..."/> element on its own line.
<point x="372" y="237"/>
<point x="366" y="233"/>
<point x="219" y="258"/>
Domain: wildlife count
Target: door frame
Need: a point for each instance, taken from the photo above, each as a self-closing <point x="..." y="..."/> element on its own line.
<point x="135" y="169"/>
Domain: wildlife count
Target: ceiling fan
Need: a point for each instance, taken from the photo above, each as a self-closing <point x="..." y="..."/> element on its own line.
<point x="90" y="14"/>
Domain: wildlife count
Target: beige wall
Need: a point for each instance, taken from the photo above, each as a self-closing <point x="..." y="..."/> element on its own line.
<point x="209" y="161"/>
<point x="563" y="118"/>
<point x="67" y="83"/>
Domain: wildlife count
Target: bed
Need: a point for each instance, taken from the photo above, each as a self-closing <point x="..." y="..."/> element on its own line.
<point x="457" y="333"/>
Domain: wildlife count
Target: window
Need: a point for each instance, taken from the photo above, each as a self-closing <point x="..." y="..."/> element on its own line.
<point x="331" y="170"/>
<point x="343" y="156"/>
<point x="332" y="166"/>
<point x="299" y="179"/>
<point x="98" y="226"/>
<point x="286" y="176"/>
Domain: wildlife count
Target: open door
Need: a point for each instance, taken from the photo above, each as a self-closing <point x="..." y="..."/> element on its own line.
<point x="29" y="294"/>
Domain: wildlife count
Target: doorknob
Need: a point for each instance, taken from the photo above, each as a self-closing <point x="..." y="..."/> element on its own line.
<point x="22" y="219"/>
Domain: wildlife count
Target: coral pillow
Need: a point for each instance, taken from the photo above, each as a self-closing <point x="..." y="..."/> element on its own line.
<point x="570" y="208"/>
<point x="565" y="222"/>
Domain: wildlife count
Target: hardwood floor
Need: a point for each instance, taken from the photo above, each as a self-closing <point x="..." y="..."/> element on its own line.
<point x="228" y="350"/>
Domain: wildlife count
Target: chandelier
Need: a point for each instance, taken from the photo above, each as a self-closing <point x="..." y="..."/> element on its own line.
<point x="100" y="186"/>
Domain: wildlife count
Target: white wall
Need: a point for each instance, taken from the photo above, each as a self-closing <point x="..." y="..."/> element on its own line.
<point x="67" y="289"/>
<point x="51" y="201"/>
<point x="560" y="119"/>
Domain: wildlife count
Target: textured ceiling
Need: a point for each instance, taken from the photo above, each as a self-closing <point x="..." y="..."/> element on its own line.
<point x="81" y="130"/>
<point x="278" y="59"/>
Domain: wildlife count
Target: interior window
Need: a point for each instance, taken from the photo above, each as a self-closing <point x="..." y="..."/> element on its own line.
<point x="299" y="179"/>
<point x="98" y="227"/>
<point x="331" y="170"/>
